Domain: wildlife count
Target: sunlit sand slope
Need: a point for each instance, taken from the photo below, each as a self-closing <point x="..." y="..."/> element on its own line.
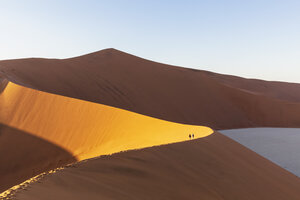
<point x="176" y="94"/>
<point x="82" y="128"/>
<point x="210" y="168"/>
<point x="86" y="129"/>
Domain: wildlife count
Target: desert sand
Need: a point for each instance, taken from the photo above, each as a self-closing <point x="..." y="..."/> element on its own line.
<point x="110" y="101"/>
<point x="280" y="145"/>
<point x="73" y="130"/>
<point x="177" y="94"/>
<point x="210" y="168"/>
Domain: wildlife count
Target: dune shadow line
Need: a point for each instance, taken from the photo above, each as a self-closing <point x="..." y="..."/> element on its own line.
<point x="23" y="156"/>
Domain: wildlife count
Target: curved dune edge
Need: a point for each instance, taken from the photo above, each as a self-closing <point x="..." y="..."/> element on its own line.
<point x="176" y="94"/>
<point x="85" y="129"/>
<point x="24" y="155"/>
<point x="213" y="167"/>
<point x="11" y="191"/>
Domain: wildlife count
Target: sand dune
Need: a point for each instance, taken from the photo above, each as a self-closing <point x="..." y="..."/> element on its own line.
<point x="79" y="128"/>
<point x="118" y="79"/>
<point x="87" y="106"/>
<point x="210" y="168"/>
<point x="24" y="155"/>
<point x="280" y="145"/>
<point x="274" y="89"/>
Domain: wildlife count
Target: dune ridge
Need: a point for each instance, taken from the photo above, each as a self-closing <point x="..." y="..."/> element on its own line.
<point x="172" y="93"/>
<point x="24" y="155"/>
<point x="210" y="168"/>
<point x="91" y="105"/>
<point x="84" y="129"/>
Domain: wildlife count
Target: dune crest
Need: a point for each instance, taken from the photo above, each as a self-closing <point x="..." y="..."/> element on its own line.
<point x="86" y="129"/>
<point x="210" y="168"/>
<point x="172" y="93"/>
<point x="87" y="106"/>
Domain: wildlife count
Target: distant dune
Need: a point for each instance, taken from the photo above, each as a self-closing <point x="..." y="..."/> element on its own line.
<point x="183" y="95"/>
<point x="210" y="168"/>
<point x="59" y="111"/>
<point x="279" y="145"/>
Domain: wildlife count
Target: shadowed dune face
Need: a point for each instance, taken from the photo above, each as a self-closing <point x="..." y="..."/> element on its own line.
<point x="274" y="89"/>
<point x="175" y="94"/>
<point x="84" y="129"/>
<point x="3" y="84"/>
<point x="23" y="155"/>
<point x="279" y="145"/>
<point x="214" y="168"/>
<point x="211" y="168"/>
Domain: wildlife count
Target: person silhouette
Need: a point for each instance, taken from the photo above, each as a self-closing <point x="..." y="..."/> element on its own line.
<point x="190" y="136"/>
<point x="193" y="136"/>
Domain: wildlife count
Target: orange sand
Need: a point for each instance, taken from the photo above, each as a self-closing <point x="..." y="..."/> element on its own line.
<point x="67" y="127"/>
<point x="176" y="94"/>
<point x="210" y="168"/>
<point x="83" y="128"/>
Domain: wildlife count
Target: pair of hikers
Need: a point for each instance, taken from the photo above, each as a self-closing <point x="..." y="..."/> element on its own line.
<point x="191" y="136"/>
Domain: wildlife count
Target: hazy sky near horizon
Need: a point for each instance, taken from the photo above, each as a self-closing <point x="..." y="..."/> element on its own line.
<point x="249" y="38"/>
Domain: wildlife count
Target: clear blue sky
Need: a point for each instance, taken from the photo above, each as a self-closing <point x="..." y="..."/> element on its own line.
<point x="250" y="38"/>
